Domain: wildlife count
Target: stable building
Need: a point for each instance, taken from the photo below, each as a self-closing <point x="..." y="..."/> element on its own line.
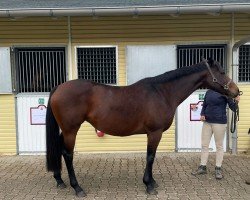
<point x="43" y="44"/>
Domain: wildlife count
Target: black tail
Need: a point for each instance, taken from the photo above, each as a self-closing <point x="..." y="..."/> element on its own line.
<point x="53" y="140"/>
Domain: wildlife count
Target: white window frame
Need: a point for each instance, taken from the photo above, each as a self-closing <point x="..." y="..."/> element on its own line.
<point x="100" y="46"/>
<point x="237" y="66"/>
<point x="5" y="71"/>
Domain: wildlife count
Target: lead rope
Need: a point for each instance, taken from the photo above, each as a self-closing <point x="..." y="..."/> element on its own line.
<point x="235" y="118"/>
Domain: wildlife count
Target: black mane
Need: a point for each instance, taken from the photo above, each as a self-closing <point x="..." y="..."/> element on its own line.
<point x="176" y="74"/>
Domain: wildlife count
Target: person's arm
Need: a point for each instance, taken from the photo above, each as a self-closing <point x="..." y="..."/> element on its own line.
<point x="203" y="118"/>
<point x="204" y="105"/>
<point x="233" y="104"/>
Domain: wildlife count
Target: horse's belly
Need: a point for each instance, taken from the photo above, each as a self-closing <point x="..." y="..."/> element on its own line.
<point x="126" y="133"/>
<point x="118" y="128"/>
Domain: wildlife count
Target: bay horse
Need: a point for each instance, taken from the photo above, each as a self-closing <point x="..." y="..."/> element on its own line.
<point x="145" y="107"/>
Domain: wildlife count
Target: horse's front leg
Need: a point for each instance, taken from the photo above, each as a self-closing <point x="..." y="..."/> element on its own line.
<point x="153" y="142"/>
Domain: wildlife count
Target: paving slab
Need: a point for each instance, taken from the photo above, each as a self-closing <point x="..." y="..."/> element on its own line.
<point x="119" y="176"/>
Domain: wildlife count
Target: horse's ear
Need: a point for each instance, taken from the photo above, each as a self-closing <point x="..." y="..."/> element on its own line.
<point x="210" y="61"/>
<point x="203" y="59"/>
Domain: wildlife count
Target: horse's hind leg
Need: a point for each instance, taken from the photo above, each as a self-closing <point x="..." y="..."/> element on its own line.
<point x="57" y="173"/>
<point x="153" y="142"/>
<point x="68" y="151"/>
<point x="60" y="183"/>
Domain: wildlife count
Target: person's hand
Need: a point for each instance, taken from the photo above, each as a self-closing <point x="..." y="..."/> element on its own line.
<point x="203" y="118"/>
<point x="237" y="99"/>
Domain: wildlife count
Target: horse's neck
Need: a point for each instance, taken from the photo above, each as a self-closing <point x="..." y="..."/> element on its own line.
<point x="178" y="90"/>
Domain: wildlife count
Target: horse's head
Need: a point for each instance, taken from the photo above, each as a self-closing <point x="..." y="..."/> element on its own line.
<point x="217" y="80"/>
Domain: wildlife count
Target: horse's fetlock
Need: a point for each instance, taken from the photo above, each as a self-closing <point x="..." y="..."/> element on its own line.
<point x="67" y="154"/>
<point x="146" y="180"/>
<point x="74" y="183"/>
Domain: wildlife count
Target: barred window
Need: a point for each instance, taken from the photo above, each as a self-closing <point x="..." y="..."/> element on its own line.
<point x="98" y="64"/>
<point x="39" y="69"/>
<point x="192" y="54"/>
<point x="244" y="64"/>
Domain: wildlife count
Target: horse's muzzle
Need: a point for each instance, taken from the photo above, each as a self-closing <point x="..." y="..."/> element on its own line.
<point x="240" y="93"/>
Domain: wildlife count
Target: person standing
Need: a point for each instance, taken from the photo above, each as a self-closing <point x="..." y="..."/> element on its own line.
<point x="214" y="117"/>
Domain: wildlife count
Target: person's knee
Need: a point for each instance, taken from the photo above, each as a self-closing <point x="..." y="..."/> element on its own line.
<point x="205" y="148"/>
<point x="219" y="147"/>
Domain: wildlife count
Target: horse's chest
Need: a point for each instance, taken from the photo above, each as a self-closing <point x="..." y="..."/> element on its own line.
<point x="161" y="118"/>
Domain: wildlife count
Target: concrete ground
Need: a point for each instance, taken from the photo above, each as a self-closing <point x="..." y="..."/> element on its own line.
<point x="119" y="176"/>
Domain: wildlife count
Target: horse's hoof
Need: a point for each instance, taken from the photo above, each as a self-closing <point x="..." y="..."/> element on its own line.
<point x="81" y="194"/>
<point x="155" y="184"/>
<point x="151" y="191"/>
<point x="61" y="185"/>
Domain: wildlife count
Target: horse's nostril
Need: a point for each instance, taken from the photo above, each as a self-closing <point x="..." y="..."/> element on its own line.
<point x="240" y="93"/>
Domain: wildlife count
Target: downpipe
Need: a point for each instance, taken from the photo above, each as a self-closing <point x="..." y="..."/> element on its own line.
<point x="233" y="127"/>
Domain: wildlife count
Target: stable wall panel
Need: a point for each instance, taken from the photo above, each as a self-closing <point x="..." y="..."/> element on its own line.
<point x="244" y="122"/>
<point x="7" y="124"/>
<point x="33" y="30"/>
<point x="155" y="28"/>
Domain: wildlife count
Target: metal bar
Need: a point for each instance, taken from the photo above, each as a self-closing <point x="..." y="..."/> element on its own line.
<point x="35" y="73"/>
<point x="223" y="59"/>
<point x="47" y="68"/>
<point x="21" y="71"/>
<point x="22" y="85"/>
<point x="26" y="69"/>
<point x="47" y="75"/>
<point x="38" y="69"/>
<point x="59" y="68"/>
<point x="41" y="61"/>
<point x="51" y="69"/>
<point x="53" y="80"/>
<point x="64" y="67"/>
<point x="29" y="71"/>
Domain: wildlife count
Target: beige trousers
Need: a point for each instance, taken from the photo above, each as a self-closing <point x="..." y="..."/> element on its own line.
<point x="208" y="129"/>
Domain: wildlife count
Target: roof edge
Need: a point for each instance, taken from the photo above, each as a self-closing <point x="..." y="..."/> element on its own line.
<point x="110" y="11"/>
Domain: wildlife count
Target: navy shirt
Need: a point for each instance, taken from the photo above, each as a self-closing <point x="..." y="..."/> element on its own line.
<point x="214" y="107"/>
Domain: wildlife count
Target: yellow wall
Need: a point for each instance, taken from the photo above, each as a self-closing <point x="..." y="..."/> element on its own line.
<point x="241" y="26"/>
<point x="33" y="31"/>
<point x="7" y="124"/>
<point x="241" y="31"/>
<point x="244" y="122"/>
<point x="151" y="29"/>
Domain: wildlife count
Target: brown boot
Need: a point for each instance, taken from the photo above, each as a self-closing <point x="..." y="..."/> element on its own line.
<point x="202" y="169"/>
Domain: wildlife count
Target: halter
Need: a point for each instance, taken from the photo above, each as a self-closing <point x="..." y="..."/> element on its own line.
<point x="226" y="86"/>
<point x="235" y="114"/>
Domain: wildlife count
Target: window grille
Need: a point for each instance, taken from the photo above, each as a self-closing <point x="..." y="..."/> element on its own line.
<point x="39" y="69"/>
<point x="244" y="64"/>
<point x="97" y="64"/>
<point x="189" y="55"/>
